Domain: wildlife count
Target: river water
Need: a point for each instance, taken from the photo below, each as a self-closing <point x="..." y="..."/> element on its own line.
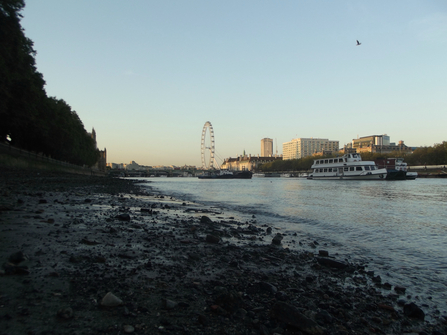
<point x="397" y="228"/>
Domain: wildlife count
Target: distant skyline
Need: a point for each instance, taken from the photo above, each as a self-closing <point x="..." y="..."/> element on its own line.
<point x="147" y="75"/>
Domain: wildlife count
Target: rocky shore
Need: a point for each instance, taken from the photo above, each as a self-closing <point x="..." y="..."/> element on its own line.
<point x="96" y="255"/>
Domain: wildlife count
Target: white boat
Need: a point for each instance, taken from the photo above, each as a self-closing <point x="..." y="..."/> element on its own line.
<point x="349" y="166"/>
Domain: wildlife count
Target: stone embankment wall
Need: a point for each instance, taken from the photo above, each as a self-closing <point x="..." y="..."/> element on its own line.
<point x="13" y="157"/>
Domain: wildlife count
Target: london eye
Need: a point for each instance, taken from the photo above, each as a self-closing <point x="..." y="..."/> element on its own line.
<point x="207" y="146"/>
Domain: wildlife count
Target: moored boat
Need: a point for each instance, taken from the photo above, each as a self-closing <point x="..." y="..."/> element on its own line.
<point x="396" y="169"/>
<point x="226" y="174"/>
<point x="347" y="167"/>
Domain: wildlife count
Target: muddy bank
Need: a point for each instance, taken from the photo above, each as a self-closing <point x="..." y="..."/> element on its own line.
<point x="92" y="255"/>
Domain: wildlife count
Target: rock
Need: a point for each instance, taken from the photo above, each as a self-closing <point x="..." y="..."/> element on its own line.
<point x="212" y="239"/>
<point x="386" y="286"/>
<point x="205" y="219"/>
<point x="291" y="315"/>
<point x="323" y="253"/>
<point x="268" y="231"/>
<point x="268" y="287"/>
<point x="324" y="316"/>
<point x="111" y="300"/>
<point x="400" y="289"/>
<point x="277" y="239"/>
<point x="87" y="241"/>
<point x="65" y="313"/>
<point x="169" y="304"/>
<point x="17" y="257"/>
<point x="331" y="263"/>
<point x="128" y="329"/>
<point x="123" y="217"/>
<point x="413" y="311"/>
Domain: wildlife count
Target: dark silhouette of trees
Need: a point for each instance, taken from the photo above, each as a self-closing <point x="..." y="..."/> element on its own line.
<point x="28" y="118"/>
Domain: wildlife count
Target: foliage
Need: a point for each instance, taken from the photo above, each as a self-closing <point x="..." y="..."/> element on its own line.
<point x="288" y="165"/>
<point x="436" y="155"/>
<point x="30" y="119"/>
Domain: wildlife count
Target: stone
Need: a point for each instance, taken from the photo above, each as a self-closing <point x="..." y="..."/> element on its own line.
<point x="17" y="257"/>
<point x="290" y="315"/>
<point x="169" y="304"/>
<point x="331" y="263"/>
<point x="323" y="253"/>
<point x="205" y="219"/>
<point x="268" y="287"/>
<point x="65" y="313"/>
<point x="212" y="239"/>
<point x="277" y="239"/>
<point x="123" y="217"/>
<point x="128" y="329"/>
<point x="400" y="289"/>
<point x="111" y="300"/>
<point x="413" y="311"/>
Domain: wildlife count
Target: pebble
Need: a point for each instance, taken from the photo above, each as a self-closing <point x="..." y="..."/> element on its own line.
<point x="111" y="300"/>
<point x="128" y="329"/>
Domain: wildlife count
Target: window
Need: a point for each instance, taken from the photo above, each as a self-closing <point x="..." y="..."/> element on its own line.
<point x="346" y="169"/>
<point x="351" y="168"/>
<point x="325" y="161"/>
<point x="331" y="161"/>
<point x="358" y="168"/>
<point x="367" y="168"/>
<point x="325" y="170"/>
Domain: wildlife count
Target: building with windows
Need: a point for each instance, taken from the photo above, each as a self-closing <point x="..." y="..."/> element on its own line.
<point x="246" y="163"/>
<point x="266" y="147"/>
<point x="378" y="144"/>
<point x="303" y="147"/>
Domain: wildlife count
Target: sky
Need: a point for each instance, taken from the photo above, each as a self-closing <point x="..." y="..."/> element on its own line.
<point x="147" y="75"/>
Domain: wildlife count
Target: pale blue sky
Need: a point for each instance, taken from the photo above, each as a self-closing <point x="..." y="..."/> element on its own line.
<point x="147" y="75"/>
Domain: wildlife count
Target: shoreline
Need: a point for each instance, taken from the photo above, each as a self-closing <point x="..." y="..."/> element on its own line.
<point x="172" y="267"/>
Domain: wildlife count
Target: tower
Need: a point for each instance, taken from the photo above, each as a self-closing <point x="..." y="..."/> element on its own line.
<point x="266" y="147"/>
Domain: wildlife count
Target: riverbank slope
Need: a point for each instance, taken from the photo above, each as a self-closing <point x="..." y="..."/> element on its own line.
<point x="95" y="255"/>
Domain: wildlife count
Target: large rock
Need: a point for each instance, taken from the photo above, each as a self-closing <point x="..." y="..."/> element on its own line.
<point x="331" y="263"/>
<point x="292" y="316"/>
<point x="277" y="239"/>
<point x="413" y="311"/>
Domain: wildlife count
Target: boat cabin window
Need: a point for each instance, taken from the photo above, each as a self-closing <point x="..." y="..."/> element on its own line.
<point x="331" y="161"/>
<point x="373" y="167"/>
<point x="325" y="161"/>
<point x="351" y="168"/>
<point x="346" y="168"/>
<point x="367" y="168"/>
<point x="325" y="170"/>
<point x="358" y="168"/>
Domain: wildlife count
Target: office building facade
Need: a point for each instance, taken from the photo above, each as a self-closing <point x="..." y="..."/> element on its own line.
<point x="303" y="147"/>
<point x="266" y="147"/>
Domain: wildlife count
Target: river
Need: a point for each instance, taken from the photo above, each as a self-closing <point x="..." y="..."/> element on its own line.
<point x="397" y="228"/>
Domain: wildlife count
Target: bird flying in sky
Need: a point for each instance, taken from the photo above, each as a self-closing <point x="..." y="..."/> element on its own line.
<point x="358" y="43"/>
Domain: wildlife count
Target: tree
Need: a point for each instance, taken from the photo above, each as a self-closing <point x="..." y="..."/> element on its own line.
<point x="28" y="118"/>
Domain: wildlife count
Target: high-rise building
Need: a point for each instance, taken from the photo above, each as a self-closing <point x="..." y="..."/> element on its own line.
<point x="266" y="147"/>
<point x="303" y="147"/>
